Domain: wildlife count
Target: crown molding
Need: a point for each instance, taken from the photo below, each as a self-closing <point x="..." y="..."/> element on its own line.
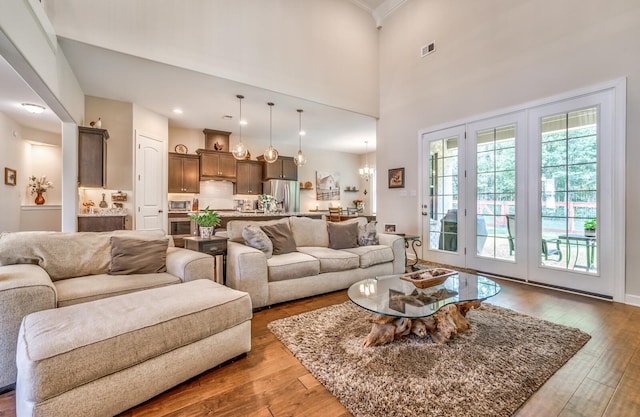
<point x="386" y="9"/>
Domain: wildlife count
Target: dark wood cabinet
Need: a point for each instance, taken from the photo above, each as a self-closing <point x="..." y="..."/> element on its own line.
<point x="92" y="157"/>
<point x="216" y="165"/>
<point x="184" y="173"/>
<point x="249" y="177"/>
<point x="283" y="169"/>
<point x="100" y="223"/>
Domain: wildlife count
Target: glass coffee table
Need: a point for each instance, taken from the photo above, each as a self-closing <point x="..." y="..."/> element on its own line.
<point x="439" y="311"/>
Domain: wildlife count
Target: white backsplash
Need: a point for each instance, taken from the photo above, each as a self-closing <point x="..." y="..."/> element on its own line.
<point x="216" y="194"/>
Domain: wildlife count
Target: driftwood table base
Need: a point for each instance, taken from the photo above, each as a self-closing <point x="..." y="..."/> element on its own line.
<point x="441" y="326"/>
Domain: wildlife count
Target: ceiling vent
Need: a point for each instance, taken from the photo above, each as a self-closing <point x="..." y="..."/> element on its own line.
<point x="427" y="49"/>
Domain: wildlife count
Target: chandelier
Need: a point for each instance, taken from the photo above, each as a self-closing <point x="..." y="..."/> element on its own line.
<point x="300" y="159"/>
<point x="239" y="151"/>
<point x="366" y="172"/>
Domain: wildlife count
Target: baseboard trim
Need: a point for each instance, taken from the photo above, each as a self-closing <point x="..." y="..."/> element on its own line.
<point x="631" y="299"/>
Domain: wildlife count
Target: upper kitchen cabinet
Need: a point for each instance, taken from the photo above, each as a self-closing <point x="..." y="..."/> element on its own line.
<point x="184" y="173"/>
<point x="249" y="179"/>
<point x="216" y="165"/>
<point x="92" y="157"/>
<point x="283" y="169"/>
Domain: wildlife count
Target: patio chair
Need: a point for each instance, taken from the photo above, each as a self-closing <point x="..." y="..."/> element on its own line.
<point x="547" y="251"/>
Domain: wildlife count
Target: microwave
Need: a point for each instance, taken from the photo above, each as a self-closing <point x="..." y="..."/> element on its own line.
<point x="180" y="205"/>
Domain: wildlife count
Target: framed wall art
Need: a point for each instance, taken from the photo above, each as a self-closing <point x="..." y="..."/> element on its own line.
<point x="390" y="228"/>
<point x="10" y="176"/>
<point x="396" y="178"/>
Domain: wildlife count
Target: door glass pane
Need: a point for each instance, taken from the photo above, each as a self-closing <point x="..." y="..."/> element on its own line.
<point x="443" y="188"/>
<point x="496" y="187"/>
<point x="569" y="190"/>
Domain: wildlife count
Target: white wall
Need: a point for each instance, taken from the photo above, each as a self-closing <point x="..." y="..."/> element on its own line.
<point x="21" y="153"/>
<point x="495" y="54"/>
<point x="321" y="50"/>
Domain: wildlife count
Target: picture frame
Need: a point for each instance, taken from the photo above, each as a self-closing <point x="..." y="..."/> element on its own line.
<point x="390" y="228"/>
<point x="396" y="178"/>
<point x="10" y="176"/>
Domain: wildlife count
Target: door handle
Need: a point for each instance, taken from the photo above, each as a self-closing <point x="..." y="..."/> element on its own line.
<point x="424" y="213"/>
<point x="160" y="211"/>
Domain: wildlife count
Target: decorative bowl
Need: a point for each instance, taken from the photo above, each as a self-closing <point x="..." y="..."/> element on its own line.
<point x="426" y="278"/>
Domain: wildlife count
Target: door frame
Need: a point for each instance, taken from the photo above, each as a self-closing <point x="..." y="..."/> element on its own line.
<point x="618" y="187"/>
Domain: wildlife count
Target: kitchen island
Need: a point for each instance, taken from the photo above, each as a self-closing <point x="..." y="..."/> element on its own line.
<point x="227" y="215"/>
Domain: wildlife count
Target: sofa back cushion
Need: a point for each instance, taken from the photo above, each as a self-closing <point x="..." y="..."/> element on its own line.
<point x="309" y="232"/>
<point x="65" y="254"/>
<point x="235" y="227"/>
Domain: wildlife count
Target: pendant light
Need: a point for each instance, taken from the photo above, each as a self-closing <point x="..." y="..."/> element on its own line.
<point x="239" y="151"/>
<point x="300" y="159"/>
<point x="366" y="172"/>
<point x="270" y="155"/>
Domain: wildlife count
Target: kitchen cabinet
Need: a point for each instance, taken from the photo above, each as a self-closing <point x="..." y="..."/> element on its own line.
<point x="249" y="177"/>
<point x="92" y="157"/>
<point x="100" y="223"/>
<point x="215" y="165"/>
<point x="283" y="169"/>
<point x="184" y="173"/>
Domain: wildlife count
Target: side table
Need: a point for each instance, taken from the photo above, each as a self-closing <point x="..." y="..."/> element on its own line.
<point x="415" y="241"/>
<point x="215" y="246"/>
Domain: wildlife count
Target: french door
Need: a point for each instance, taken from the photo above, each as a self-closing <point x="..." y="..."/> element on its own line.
<point x="513" y="194"/>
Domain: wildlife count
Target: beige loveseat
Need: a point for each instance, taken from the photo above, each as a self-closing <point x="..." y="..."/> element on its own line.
<point x="45" y="270"/>
<point x="313" y="268"/>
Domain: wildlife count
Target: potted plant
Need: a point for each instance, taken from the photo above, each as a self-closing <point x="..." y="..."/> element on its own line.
<point x="590" y="228"/>
<point x="207" y="221"/>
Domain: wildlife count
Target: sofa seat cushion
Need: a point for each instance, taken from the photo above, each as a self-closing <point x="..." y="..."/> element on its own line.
<point x="65" y="348"/>
<point x="292" y="265"/>
<point x="372" y="255"/>
<point x="94" y="287"/>
<point x="332" y="260"/>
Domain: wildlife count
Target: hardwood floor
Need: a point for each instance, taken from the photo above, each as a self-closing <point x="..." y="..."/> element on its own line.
<point x="602" y="379"/>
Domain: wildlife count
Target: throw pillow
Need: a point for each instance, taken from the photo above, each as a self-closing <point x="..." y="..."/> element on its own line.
<point x="137" y="256"/>
<point x="281" y="238"/>
<point x="254" y="236"/>
<point x="342" y="235"/>
<point x="367" y="234"/>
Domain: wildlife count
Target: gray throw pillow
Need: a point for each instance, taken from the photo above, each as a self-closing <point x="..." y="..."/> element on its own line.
<point x="342" y="235"/>
<point x="367" y="234"/>
<point x="281" y="238"/>
<point x="254" y="236"/>
<point x="137" y="256"/>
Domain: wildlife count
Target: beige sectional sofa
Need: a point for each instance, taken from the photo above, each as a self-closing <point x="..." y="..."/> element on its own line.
<point x="45" y="270"/>
<point x="313" y="268"/>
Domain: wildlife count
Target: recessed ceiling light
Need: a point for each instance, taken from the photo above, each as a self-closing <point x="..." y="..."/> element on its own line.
<point x="177" y="111"/>
<point x="302" y="133"/>
<point x="33" y="108"/>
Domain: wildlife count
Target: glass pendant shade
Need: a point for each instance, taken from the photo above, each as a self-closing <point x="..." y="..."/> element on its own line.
<point x="239" y="151"/>
<point x="300" y="159"/>
<point x="270" y="155"/>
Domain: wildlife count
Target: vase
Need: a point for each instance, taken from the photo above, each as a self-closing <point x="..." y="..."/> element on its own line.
<point x="206" y="232"/>
<point x="39" y="198"/>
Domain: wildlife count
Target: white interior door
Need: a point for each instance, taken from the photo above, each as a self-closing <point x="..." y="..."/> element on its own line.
<point x="497" y="195"/>
<point x="150" y="191"/>
<point x="443" y="202"/>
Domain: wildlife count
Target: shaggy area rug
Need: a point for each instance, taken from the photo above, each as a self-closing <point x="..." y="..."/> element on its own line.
<point x="490" y="370"/>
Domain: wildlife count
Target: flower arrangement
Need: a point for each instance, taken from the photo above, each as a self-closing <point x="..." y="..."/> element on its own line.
<point x="357" y="202"/>
<point x="39" y="185"/>
<point x="267" y="201"/>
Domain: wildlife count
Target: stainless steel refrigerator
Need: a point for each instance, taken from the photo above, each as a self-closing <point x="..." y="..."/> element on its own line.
<point x="287" y="193"/>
